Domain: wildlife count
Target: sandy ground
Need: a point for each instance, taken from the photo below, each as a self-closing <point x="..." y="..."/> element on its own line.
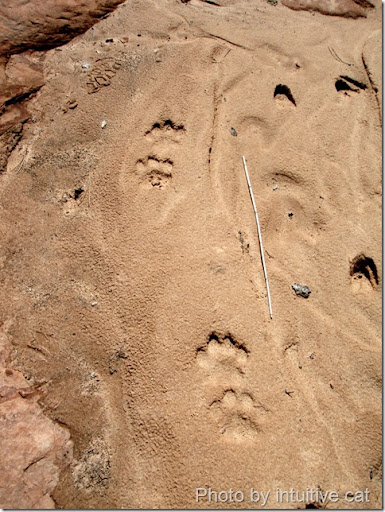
<point x="131" y="276"/>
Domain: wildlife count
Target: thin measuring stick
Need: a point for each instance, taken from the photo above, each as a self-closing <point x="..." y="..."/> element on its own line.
<point x="259" y="236"/>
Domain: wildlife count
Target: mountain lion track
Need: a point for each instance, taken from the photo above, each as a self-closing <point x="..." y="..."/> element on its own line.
<point x="237" y="414"/>
<point x="154" y="172"/>
<point x="165" y="130"/>
<point x="223" y="352"/>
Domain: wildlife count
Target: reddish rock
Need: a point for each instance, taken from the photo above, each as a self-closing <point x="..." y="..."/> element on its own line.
<point x="21" y="77"/>
<point x="34" y="449"/>
<point x="44" y="24"/>
<point x="346" y="8"/>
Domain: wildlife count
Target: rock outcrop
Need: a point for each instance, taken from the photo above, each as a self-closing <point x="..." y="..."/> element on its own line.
<point x="345" y="8"/>
<point x="34" y="448"/>
<point x="41" y="25"/>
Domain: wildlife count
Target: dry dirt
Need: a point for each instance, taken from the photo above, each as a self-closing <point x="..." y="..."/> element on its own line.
<point x="132" y="291"/>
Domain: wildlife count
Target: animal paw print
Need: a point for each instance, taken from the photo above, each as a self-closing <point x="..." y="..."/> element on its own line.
<point x="154" y="172"/>
<point x="223" y="351"/>
<point x="237" y="415"/>
<point x="165" y="131"/>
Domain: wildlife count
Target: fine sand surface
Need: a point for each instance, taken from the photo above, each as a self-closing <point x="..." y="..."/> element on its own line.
<point x="132" y="291"/>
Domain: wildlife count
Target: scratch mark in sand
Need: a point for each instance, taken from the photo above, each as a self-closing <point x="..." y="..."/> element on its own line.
<point x="374" y="89"/>
<point x="236" y="45"/>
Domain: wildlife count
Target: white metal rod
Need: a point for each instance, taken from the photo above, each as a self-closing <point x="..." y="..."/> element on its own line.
<point x="259" y="236"/>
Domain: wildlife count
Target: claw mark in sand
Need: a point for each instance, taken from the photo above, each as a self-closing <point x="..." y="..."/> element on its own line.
<point x="245" y="246"/>
<point x="214" y="125"/>
<point x="372" y="86"/>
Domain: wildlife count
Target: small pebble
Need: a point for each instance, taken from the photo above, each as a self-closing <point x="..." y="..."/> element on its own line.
<point x="233" y="132"/>
<point x="85" y="64"/>
<point x="94" y="303"/>
<point x="275" y="187"/>
<point x="301" y="290"/>
<point x="92" y="375"/>
<point x="104" y="123"/>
